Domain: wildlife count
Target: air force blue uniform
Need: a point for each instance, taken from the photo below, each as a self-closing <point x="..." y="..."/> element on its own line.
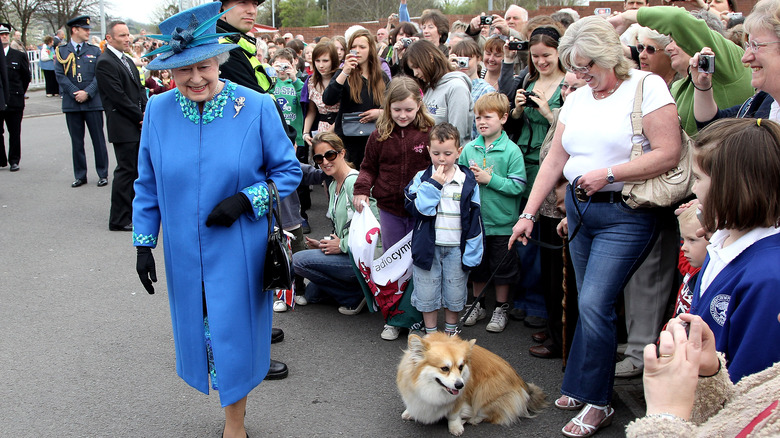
<point x="75" y="71"/>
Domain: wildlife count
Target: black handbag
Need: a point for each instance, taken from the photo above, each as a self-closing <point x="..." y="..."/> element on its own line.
<point x="277" y="271"/>
<point x="351" y="126"/>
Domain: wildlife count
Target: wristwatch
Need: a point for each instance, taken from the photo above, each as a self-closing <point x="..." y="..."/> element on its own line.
<point x="528" y="216"/>
<point x="610" y="176"/>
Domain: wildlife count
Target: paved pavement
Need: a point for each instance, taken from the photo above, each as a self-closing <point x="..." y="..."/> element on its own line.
<point x="87" y="353"/>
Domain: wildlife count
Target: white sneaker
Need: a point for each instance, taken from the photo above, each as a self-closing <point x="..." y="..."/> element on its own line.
<point x="300" y="300"/>
<point x="352" y="310"/>
<point x="390" y="333"/>
<point x="498" y="321"/>
<point x="280" y="306"/>
<point x="476" y="315"/>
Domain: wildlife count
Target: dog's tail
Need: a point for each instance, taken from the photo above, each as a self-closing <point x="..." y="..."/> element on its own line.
<point x="536" y="399"/>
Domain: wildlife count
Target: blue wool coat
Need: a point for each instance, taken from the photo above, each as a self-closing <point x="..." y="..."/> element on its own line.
<point x="186" y="168"/>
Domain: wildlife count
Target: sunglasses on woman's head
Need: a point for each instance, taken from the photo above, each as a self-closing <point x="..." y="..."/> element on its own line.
<point x="330" y="156"/>
<point x="650" y="49"/>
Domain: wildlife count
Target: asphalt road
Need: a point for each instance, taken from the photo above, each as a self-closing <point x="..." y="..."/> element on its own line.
<point x="87" y="353"/>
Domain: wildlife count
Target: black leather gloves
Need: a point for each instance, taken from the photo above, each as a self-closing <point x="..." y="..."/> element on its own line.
<point x="146" y="269"/>
<point x="230" y="209"/>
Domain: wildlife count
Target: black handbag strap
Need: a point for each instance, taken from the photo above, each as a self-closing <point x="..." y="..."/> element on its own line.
<point x="273" y="209"/>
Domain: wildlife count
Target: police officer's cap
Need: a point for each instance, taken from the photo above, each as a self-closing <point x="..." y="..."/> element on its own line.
<point x="82" y="21"/>
<point x="5" y="28"/>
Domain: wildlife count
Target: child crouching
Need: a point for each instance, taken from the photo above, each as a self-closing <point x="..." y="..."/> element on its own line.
<point x="447" y="239"/>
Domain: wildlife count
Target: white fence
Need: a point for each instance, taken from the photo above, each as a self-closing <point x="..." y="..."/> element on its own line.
<point x="34" y="56"/>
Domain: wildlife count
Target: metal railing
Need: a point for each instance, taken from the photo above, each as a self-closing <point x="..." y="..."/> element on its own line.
<point x="34" y="57"/>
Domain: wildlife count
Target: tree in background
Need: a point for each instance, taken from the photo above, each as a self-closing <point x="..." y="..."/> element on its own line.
<point x="19" y="13"/>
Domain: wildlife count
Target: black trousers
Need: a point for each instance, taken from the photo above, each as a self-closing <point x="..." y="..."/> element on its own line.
<point x="12" y="118"/>
<point x="52" y="87"/>
<point x="94" y="122"/>
<point x="122" y="193"/>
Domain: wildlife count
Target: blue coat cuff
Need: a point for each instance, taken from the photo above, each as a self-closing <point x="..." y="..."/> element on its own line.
<point x="258" y="196"/>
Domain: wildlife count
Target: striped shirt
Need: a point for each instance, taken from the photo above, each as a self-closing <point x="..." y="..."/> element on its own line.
<point x="448" y="227"/>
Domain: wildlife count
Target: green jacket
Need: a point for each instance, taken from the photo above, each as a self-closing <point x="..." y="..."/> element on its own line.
<point x="731" y="80"/>
<point x="500" y="199"/>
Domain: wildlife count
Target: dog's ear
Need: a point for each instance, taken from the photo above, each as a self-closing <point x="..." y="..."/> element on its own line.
<point x="417" y="347"/>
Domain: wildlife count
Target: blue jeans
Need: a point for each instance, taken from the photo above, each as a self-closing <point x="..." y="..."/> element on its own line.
<point x="331" y="276"/>
<point x="610" y="245"/>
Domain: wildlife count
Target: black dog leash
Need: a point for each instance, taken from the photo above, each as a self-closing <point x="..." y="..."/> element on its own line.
<point x="462" y="320"/>
<point x="578" y="194"/>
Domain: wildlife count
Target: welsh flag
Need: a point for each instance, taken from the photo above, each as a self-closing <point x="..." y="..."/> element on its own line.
<point x="387" y="279"/>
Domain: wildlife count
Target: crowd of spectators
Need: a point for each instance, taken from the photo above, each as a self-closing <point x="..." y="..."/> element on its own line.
<point x="542" y="108"/>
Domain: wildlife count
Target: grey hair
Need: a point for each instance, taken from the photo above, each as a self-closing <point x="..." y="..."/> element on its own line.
<point x="765" y="16"/>
<point x="222" y="58"/>
<point x="662" y="40"/>
<point x="712" y="21"/>
<point x="594" y="38"/>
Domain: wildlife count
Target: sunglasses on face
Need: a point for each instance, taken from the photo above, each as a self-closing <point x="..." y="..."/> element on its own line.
<point x="330" y="156"/>
<point x="650" y="49"/>
<point x="584" y="70"/>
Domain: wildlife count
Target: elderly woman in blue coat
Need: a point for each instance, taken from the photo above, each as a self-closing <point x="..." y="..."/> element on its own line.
<point x="208" y="148"/>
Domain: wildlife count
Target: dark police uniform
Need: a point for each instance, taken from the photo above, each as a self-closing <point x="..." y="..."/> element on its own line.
<point x="75" y="71"/>
<point x="18" y="72"/>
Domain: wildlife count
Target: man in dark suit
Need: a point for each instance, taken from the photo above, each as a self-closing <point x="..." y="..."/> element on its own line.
<point x="124" y="101"/>
<point x="18" y="72"/>
<point x="74" y="67"/>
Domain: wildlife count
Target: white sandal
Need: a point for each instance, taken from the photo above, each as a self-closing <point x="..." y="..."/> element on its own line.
<point x="570" y="405"/>
<point x="587" y="430"/>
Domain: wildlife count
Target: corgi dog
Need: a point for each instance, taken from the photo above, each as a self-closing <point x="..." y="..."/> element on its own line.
<point x="445" y="376"/>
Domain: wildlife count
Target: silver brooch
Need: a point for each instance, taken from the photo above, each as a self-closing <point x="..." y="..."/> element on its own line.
<point x="239" y="105"/>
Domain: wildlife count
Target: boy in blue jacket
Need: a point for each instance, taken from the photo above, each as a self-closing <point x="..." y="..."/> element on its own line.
<point x="447" y="239"/>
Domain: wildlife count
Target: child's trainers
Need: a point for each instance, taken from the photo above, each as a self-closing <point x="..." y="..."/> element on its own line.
<point x="280" y="306"/>
<point x="498" y="321"/>
<point x="476" y="315"/>
<point x="390" y="333"/>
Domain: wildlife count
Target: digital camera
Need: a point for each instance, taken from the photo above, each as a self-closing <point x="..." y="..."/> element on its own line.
<point x="528" y="101"/>
<point x="486" y="20"/>
<point x="518" y="45"/>
<point x="462" y="62"/>
<point x="707" y="64"/>
<point x="406" y="42"/>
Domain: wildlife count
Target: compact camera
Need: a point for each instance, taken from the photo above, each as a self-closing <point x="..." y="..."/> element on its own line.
<point x="462" y="62"/>
<point x="518" y="45"/>
<point x="528" y="101"/>
<point x="734" y="15"/>
<point x="284" y="67"/>
<point x="707" y="64"/>
<point x="406" y="42"/>
<point x="486" y="20"/>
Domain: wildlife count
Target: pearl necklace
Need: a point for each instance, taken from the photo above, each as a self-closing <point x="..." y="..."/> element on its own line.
<point x="604" y="94"/>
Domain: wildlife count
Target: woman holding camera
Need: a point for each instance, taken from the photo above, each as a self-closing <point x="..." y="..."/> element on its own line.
<point x="536" y="97"/>
<point x="592" y="148"/>
<point x="761" y="54"/>
<point x="359" y="88"/>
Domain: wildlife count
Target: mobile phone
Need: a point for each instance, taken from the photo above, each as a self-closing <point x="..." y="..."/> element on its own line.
<point x="353" y="52"/>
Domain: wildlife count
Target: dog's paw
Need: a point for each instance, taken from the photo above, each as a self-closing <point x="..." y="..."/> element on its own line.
<point x="475" y="420"/>
<point x="456" y="427"/>
<point x="406" y="415"/>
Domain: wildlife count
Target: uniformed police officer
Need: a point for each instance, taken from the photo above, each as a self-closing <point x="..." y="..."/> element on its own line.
<point x="74" y="67"/>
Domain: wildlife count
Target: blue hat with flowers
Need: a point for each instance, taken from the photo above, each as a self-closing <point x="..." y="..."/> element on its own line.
<point x="191" y="37"/>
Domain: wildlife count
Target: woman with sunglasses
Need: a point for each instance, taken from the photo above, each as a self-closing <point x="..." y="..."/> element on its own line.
<point x="653" y="56"/>
<point x="592" y="148"/>
<point x="762" y="54"/>
<point x="327" y="263"/>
